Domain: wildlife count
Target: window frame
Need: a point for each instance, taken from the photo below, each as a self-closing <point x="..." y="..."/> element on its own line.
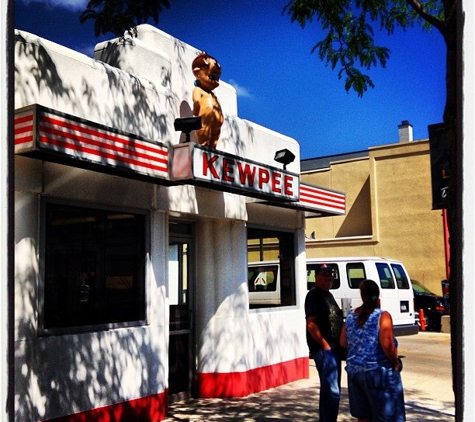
<point x="93" y="327"/>
<point x="353" y="282"/>
<point x="402" y="281"/>
<point x="385" y="283"/>
<point x="288" y="295"/>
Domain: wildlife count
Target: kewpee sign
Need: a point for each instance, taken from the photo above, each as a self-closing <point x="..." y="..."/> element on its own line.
<point x="195" y="163"/>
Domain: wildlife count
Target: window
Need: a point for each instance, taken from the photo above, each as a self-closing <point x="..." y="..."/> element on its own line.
<point x="385" y="276"/>
<point x="94" y="268"/>
<point x="356" y="274"/>
<point x="311" y="269"/>
<point x="271" y="274"/>
<point x="263" y="278"/>
<point x="402" y="279"/>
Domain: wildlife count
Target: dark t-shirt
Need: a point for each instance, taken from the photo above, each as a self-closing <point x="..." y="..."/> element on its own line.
<point x="328" y="315"/>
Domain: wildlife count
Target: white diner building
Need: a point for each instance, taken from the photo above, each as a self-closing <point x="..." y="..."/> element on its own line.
<point x="132" y="245"/>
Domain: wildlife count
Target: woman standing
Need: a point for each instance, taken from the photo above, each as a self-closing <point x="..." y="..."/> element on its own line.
<point x="374" y="369"/>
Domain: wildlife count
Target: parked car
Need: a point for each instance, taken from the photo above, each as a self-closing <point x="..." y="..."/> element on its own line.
<point x="432" y="304"/>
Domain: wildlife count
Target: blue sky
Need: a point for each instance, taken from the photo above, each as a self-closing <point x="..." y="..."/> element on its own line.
<point x="280" y="84"/>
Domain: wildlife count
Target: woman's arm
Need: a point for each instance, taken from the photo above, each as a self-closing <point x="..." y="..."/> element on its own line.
<point x="386" y="338"/>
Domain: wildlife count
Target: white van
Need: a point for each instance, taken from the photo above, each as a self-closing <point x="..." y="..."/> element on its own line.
<point x="264" y="283"/>
<point x="397" y="296"/>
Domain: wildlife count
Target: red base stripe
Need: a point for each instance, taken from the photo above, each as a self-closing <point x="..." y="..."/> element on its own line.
<point x="241" y="384"/>
<point x="146" y="409"/>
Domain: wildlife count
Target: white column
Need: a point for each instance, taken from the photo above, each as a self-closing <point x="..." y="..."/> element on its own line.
<point x="5" y="248"/>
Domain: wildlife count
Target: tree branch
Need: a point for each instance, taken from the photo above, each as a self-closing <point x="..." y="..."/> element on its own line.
<point x="419" y="9"/>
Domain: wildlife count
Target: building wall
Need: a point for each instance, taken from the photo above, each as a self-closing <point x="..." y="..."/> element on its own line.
<point x="94" y="374"/>
<point x="389" y="211"/>
<point x="352" y="174"/>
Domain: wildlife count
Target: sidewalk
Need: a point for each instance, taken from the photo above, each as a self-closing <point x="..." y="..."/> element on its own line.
<point x="298" y="401"/>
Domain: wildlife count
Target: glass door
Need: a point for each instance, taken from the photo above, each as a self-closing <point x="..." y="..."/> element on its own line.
<point x="181" y="345"/>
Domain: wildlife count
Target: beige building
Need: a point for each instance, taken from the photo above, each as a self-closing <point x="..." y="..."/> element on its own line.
<point x="389" y="208"/>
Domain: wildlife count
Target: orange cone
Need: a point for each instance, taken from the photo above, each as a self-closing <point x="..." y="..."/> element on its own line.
<point x="422" y="319"/>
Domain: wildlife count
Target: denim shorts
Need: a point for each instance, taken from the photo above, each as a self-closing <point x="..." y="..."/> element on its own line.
<point x="377" y="395"/>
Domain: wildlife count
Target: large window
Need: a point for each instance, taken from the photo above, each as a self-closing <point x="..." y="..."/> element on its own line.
<point x="94" y="267"/>
<point x="271" y="274"/>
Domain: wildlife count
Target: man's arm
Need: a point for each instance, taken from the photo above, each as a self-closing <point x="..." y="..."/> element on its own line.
<point x="315" y="332"/>
<point x="343" y="338"/>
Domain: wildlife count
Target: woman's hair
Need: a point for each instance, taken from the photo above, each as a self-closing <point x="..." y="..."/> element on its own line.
<point x="369" y="294"/>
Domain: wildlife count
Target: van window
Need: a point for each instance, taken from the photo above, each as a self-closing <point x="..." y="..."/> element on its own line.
<point x="311" y="268"/>
<point x="262" y="278"/>
<point x="385" y="276"/>
<point x="356" y="274"/>
<point x="401" y="277"/>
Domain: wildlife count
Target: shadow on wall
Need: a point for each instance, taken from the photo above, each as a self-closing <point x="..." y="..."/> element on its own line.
<point x="78" y="371"/>
<point x="132" y="104"/>
<point x="84" y="370"/>
<point x="357" y="221"/>
<point x="270" y="336"/>
<point x="128" y="103"/>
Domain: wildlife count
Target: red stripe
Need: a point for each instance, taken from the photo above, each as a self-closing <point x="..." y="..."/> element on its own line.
<point x="305" y="190"/>
<point x="100" y="154"/>
<point x="23" y="129"/>
<point x="322" y="197"/>
<point x="23" y="133"/>
<point x="82" y="140"/>
<point x="22" y="119"/>
<point x="23" y="140"/>
<point x="241" y="384"/>
<point x="100" y="134"/>
<point x="323" y="204"/>
<point x="310" y="195"/>
<point x="145" y="409"/>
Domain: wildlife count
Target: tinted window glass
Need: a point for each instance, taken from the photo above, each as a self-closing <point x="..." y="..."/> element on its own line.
<point x="94" y="266"/>
<point x="356" y="274"/>
<point x="402" y="279"/>
<point x="385" y="276"/>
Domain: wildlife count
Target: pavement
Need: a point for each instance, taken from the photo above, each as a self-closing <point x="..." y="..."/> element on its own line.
<point x="298" y="401"/>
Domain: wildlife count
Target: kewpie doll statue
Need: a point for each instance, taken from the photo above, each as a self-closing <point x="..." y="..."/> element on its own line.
<point x="207" y="71"/>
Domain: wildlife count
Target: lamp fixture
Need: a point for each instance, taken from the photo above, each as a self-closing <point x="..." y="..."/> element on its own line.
<point x="284" y="156"/>
<point x="187" y="124"/>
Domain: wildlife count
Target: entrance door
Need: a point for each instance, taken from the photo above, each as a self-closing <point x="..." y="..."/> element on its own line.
<point x="181" y="349"/>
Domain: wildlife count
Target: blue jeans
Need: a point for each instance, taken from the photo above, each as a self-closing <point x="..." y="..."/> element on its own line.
<point x="377" y="395"/>
<point x="329" y="371"/>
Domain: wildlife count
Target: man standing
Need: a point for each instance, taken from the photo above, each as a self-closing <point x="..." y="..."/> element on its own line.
<point x="324" y="323"/>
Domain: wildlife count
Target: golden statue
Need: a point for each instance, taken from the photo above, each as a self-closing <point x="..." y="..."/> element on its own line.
<point x="207" y="71"/>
